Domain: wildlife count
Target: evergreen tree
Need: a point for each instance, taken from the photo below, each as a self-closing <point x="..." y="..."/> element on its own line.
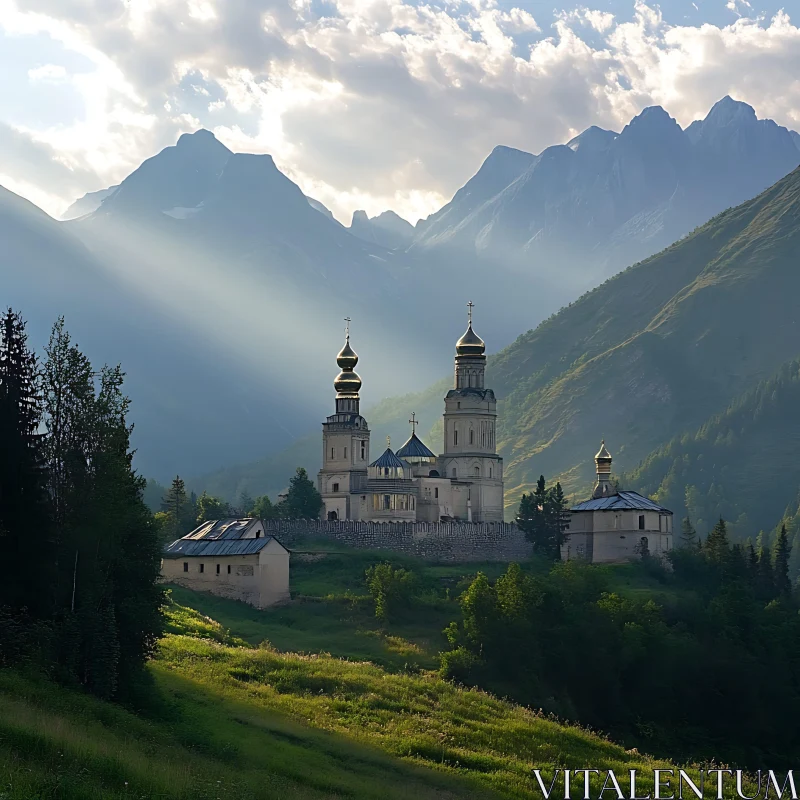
<point x="542" y="516"/>
<point x="716" y="547"/>
<point x="181" y="509"/>
<point x="781" y="564"/>
<point x="246" y="503"/>
<point x="766" y="577"/>
<point x="688" y="534"/>
<point x="109" y="603"/>
<point x="752" y="562"/>
<point x="26" y="540"/>
<point x="303" y="501"/>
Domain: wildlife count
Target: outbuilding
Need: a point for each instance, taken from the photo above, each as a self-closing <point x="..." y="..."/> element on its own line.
<point x="232" y="558"/>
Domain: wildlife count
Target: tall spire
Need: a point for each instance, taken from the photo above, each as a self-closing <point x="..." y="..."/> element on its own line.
<point x="347" y="383"/>
<point x="603" y="487"/>
<point x="470" y="358"/>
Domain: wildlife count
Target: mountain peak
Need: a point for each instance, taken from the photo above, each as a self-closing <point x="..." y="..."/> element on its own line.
<point x="729" y="110"/>
<point x="592" y="139"/>
<point x="201" y="139"/>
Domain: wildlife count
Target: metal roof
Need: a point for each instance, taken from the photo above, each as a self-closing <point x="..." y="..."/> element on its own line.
<point x="223" y="529"/>
<point x="415" y="448"/>
<point x="621" y="501"/>
<point x="389" y="459"/>
<point x="221" y="537"/>
<point x="216" y="547"/>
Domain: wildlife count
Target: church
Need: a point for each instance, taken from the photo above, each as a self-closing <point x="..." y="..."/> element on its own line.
<point x="463" y="483"/>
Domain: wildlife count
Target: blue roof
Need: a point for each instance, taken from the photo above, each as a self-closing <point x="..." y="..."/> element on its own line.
<point x="621" y="501"/>
<point x="220" y="537"/>
<point x="389" y="459"/>
<point x="415" y="448"/>
<point x="216" y="547"/>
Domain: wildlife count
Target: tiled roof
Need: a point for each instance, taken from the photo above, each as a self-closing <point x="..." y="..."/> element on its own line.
<point x="415" y="448"/>
<point x="621" y="501"/>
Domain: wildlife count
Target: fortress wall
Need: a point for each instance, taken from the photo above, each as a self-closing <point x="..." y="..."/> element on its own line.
<point x="453" y="542"/>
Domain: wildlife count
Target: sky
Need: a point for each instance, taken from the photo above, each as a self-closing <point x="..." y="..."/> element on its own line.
<point x="370" y="104"/>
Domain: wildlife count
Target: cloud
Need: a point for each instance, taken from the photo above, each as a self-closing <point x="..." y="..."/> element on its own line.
<point x="48" y="72"/>
<point x="383" y="103"/>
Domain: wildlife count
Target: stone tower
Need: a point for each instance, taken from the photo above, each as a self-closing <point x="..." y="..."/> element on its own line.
<point x="470" y="451"/>
<point x="345" y="441"/>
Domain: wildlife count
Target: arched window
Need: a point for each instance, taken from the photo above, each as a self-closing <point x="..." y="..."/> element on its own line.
<point x="455" y="472"/>
<point x="490" y="472"/>
<point x="471" y="436"/>
<point x="477" y="472"/>
<point x="455" y="437"/>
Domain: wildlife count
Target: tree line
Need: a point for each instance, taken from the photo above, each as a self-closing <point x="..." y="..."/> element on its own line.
<point x="81" y="549"/>
<point x="182" y="511"/>
<point x="699" y="662"/>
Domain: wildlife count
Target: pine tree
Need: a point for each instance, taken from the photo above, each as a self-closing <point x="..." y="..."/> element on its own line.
<point x="176" y="503"/>
<point x="766" y="577"/>
<point x="303" y="501"/>
<point x="688" y="534"/>
<point x="25" y="518"/>
<point x="543" y="517"/>
<point x="716" y="547"/>
<point x="246" y="503"/>
<point x="108" y="609"/>
<point x="782" y="553"/>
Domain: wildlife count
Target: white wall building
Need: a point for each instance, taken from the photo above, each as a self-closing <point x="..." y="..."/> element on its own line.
<point x="615" y="525"/>
<point x="464" y="483"/>
<point x="232" y="558"/>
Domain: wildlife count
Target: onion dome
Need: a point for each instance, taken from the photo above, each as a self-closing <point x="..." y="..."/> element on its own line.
<point x="347" y="381"/>
<point x="347" y="358"/>
<point x="470" y="344"/>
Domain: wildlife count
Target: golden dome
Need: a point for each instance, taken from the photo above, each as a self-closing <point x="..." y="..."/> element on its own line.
<point x="347" y="382"/>
<point x="347" y="358"/>
<point x="603" y="454"/>
<point x="470" y="344"/>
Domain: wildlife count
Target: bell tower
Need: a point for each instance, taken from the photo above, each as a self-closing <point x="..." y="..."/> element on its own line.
<point x="470" y="457"/>
<point x="345" y="442"/>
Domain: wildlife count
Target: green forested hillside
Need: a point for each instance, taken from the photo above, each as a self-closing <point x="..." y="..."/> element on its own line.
<point x="741" y="464"/>
<point x="659" y="348"/>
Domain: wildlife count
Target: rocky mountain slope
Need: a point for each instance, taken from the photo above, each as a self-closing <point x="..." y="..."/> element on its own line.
<point x="605" y="200"/>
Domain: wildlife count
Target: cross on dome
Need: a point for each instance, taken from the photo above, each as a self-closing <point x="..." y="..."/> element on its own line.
<point x="413" y="422"/>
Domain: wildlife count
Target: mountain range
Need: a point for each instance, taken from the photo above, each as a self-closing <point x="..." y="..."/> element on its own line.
<point x="685" y="363"/>
<point x="221" y="286"/>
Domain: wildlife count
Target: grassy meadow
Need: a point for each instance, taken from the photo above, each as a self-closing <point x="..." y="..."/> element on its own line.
<point x="316" y="699"/>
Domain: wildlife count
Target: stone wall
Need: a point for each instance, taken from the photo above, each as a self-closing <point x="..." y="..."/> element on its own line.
<point x="438" y="542"/>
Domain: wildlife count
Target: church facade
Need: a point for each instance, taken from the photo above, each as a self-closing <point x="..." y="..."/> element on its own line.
<point x="463" y="483"/>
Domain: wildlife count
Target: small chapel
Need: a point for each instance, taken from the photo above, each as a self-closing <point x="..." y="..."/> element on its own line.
<point x="463" y="483"/>
<point x="616" y="525"/>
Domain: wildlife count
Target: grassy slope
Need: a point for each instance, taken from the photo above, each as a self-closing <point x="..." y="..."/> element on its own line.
<point x="227" y="719"/>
